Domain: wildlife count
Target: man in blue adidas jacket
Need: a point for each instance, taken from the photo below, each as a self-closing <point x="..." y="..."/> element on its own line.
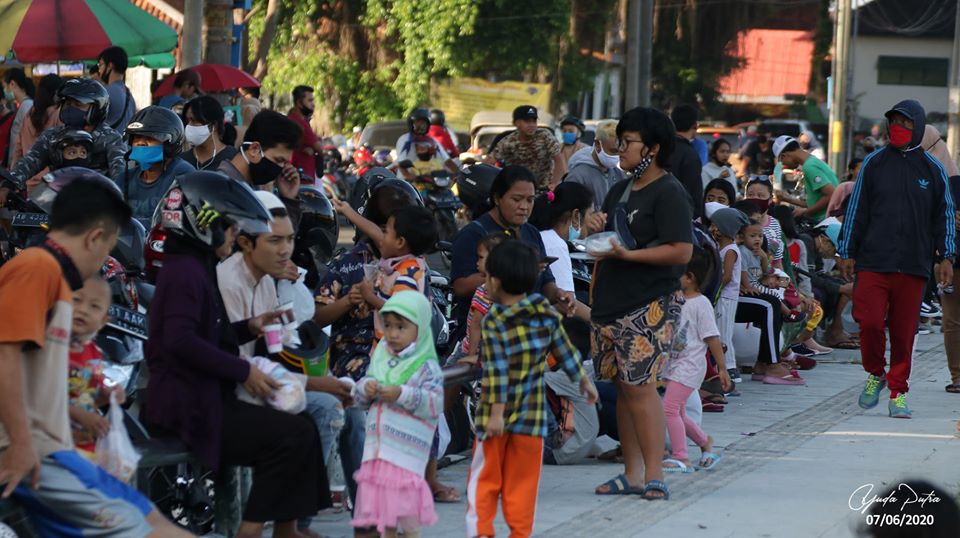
<point x="900" y="221"/>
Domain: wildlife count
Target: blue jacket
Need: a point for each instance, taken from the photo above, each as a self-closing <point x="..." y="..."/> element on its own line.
<point x="900" y="214"/>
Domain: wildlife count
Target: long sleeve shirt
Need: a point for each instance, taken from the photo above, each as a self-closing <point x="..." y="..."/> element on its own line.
<point x="517" y="340"/>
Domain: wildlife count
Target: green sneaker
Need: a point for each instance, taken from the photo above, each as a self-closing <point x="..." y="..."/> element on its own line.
<point x="870" y="396"/>
<point x="898" y="407"/>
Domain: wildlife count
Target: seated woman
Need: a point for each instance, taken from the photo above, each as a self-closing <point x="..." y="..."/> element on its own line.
<point x="194" y="367"/>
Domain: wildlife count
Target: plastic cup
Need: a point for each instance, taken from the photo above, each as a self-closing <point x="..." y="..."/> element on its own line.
<point x="370" y="271"/>
<point x="287" y="317"/>
<point x="273" y="334"/>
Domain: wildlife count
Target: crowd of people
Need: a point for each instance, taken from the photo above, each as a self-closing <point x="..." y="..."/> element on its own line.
<point x="692" y="259"/>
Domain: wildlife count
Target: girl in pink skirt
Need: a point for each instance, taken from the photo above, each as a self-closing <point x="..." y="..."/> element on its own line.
<point x="404" y="390"/>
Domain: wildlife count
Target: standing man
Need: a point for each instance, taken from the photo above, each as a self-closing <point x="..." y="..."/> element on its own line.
<point x="758" y="159"/>
<point x="186" y="86"/>
<point x="598" y="167"/>
<point x="310" y="149"/>
<point x="533" y="148"/>
<point x="899" y="222"/>
<point x="819" y="181"/>
<point x="63" y="492"/>
<point x="685" y="161"/>
<point x="571" y="131"/>
<point x="112" y="67"/>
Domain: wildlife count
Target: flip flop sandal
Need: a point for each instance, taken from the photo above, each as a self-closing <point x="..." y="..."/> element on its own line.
<point x="677" y="466"/>
<point x="714" y="399"/>
<point x="712" y="408"/>
<point x="656" y="485"/>
<point x="619" y="486"/>
<point x="847" y="344"/>
<point x="446" y="495"/>
<point x="714" y="460"/>
<point x="953" y="388"/>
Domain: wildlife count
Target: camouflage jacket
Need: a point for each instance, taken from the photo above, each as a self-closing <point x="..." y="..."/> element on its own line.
<point x="108" y="153"/>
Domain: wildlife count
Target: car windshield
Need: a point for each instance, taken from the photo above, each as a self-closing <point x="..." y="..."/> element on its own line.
<point x="780" y="128"/>
<point x="383" y="135"/>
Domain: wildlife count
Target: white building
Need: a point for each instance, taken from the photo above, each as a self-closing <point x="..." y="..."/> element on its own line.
<point x="895" y="59"/>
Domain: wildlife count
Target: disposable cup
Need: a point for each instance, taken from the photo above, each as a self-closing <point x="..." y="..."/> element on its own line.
<point x="273" y="334"/>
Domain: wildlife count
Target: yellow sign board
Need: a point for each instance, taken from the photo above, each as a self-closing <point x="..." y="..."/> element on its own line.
<point x="461" y="98"/>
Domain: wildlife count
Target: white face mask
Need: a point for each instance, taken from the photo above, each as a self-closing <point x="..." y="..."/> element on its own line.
<point x="196" y="134"/>
<point x="607" y="160"/>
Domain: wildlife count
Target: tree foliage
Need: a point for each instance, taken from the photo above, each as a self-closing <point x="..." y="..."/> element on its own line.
<point x="375" y="59"/>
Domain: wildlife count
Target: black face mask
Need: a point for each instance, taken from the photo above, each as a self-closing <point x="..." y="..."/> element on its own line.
<point x="805" y="145"/>
<point x="265" y="171"/>
<point x="81" y="161"/>
<point x="424" y="156"/>
<point x="73" y="117"/>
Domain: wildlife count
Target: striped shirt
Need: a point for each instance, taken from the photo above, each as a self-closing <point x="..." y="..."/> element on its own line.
<point x="774" y="234"/>
<point x="516" y="341"/>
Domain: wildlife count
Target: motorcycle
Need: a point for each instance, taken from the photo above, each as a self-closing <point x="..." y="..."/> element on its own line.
<point x="441" y="201"/>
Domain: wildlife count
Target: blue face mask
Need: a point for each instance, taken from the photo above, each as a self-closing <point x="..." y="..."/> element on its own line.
<point x="146" y="156"/>
<point x="569" y="138"/>
<point x="574" y="233"/>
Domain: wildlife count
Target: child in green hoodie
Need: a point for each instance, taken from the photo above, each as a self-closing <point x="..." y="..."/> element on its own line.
<point x="519" y="333"/>
<point x="404" y="390"/>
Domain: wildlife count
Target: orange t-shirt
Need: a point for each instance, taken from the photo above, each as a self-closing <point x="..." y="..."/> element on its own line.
<point x="36" y="311"/>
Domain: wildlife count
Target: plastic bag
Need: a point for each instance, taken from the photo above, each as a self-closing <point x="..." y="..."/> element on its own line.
<point x="115" y="452"/>
<point x="291" y="397"/>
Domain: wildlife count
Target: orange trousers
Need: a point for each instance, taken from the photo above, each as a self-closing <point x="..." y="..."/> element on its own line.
<point x="506" y="467"/>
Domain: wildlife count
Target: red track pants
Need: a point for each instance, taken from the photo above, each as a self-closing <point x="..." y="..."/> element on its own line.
<point x="881" y="300"/>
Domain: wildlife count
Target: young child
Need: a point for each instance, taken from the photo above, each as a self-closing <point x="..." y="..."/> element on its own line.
<point x="518" y="333"/>
<point x="404" y="390"/>
<point x="86" y="388"/>
<point x="686" y="367"/>
<point x="480" y="304"/>
<point x="778" y="284"/>
<point x="725" y="227"/>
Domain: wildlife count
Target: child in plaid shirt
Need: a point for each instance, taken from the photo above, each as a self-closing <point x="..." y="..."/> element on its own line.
<point x="518" y="333"/>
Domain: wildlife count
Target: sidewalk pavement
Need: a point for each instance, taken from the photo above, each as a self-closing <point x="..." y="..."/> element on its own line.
<point x="793" y="456"/>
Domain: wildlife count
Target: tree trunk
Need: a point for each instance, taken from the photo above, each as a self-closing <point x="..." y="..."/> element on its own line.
<point x="263" y="46"/>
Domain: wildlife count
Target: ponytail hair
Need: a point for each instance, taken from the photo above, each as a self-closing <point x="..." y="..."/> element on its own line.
<point x="551" y="207"/>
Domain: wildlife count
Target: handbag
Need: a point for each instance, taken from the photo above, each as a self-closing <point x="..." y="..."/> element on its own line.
<point x="619" y="220"/>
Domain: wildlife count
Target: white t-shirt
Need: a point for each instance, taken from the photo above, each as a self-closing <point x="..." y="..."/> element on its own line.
<point x="687" y="364"/>
<point x="732" y="289"/>
<point x="562" y="269"/>
<point x="411" y="152"/>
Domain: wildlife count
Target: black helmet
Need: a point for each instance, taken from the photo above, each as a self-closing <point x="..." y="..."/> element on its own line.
<point x="197" y="200"/>
<point x="160" y="124"/>
<point x="418" y="114"/>
<point x="86" y="91"/>
<point x="46" y="192"/>
<point x="319" y="230"/>
<point x="437" y="117"/>
<point x="473" y="185"/>
<point x="368" y="182"/>
<point x="130" y="245"/>
<point x="65" y="139"/>
<point x="575" y="121"/>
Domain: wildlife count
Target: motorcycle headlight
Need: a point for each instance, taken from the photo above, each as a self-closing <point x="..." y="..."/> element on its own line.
<point x="443" y="181"/>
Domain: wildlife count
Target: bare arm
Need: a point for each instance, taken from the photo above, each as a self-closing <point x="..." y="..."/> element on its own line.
<point x="465" y="286"/>
<point x="365" y="226"/>
<point x="19" y="460"/>
<point x="729" y="261"/>
<point x="559" y="167"/>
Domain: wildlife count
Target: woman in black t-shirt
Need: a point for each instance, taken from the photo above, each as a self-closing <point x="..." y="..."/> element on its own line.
<point x="636" y="294"/>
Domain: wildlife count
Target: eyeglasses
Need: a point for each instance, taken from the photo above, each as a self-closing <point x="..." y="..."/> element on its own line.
<point x="759" y="179"/>
<point x="624" y="143"/>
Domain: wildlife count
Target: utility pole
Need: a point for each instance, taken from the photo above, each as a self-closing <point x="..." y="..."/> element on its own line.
<point x="191" y="44"/>
<point x="953" y="107"/>
<point x="632" y="96"/>
<point x="219" y="19"/>
<point x="639" y="52"/>
<point x="646" y="50"/>
<point x="838" y="112"/>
